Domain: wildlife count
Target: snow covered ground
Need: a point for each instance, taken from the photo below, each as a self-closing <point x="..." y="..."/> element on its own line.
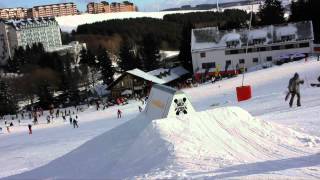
<point x="69" y="23"/>
<point x="219" y="142"/>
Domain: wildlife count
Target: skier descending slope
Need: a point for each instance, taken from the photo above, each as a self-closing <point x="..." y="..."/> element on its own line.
<point x="294" y="89"/>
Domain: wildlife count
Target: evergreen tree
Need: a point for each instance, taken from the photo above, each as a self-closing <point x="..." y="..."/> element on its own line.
<point x="105" y="65"/>
<point x="185" y="56"/>
<point x="300" y="10"/>
<point x="271" y="12"/>
<point x="127" y="59"/>
<point x="150" y="53"/>
<point x="7" y="103"/>
<point x="45" y="95"/>
<point x="305" y="10"/>
<point x="89" y="65"/>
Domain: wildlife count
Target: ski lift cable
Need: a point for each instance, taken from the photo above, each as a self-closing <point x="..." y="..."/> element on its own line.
<point x="250" y="25"/>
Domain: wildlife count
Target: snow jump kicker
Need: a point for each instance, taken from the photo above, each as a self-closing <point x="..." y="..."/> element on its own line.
<point x="164" y="102"/>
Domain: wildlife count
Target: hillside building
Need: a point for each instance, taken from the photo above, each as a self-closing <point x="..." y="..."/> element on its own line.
<point x="105" y="7"/>
<point x="225" y="51"/>
<point x="15" y="33"/>
<point x="53" y="10"/>
<point x="13" y="13"/>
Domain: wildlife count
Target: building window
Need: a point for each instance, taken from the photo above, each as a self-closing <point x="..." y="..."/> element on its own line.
<point x="289" y="46"/>
<point x="234" y="52"/>
<point x="203" y="55"/>
<point x="255" y="60"/>
<point x="208" y="65"/>
<point x="241" y="61"/>
<point x="228" y="62"/>
<point x="269" y="58"/>
<point x="288" y="37"/>
<point x="303" y="45"/>
<point x="262" y="49"/>
<point x="275" y="47"/>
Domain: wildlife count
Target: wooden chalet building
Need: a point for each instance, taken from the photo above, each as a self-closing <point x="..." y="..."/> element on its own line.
<point x="138" y="83"/>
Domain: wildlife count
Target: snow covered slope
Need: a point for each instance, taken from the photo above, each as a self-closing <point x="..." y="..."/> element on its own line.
<point x="69" y="23"/>
<point x="174" y="147"/>
<point x="198" y="147"/>
<point x="269" y="87"/>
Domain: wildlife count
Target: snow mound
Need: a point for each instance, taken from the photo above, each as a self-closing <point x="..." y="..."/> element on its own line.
<point x="204" y="141"/>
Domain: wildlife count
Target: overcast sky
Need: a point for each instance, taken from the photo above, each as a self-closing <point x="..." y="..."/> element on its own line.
<point x="144" y="5"/>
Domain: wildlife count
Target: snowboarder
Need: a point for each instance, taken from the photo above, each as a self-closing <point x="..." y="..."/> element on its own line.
<point x="119" y="113"/>
<point x="64" y="118"/>
<point x="30" y="128"/>
<point x="75" y="122"/>
<point x="294" y="89"/>
<point x="140" y="109"/>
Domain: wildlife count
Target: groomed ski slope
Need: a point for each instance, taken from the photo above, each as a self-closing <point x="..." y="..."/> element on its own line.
<point x="202" y="146"/>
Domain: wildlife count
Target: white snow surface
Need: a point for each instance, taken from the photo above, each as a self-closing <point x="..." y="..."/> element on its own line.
<point x="272" y="141"/>
<point x="69" y="23"/>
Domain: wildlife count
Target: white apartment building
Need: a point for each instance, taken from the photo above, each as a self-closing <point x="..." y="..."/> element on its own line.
<point x="225" y="51"/>
<point x="15" y="33"/>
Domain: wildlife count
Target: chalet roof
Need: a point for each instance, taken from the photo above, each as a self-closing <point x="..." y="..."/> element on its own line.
<point x="213" y="38"/>
<point x="146" y="76"/>
<point x="158" y="76"/>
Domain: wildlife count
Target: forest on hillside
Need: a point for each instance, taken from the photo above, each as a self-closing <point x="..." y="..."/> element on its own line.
<point x="167" y="31"/>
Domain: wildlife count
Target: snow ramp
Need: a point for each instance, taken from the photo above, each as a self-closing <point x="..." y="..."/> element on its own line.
<point x="175" y="146"/>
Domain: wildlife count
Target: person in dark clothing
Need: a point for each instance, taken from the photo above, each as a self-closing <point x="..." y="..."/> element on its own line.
<point x="140" y="109"/>
<point x="30" y="128"/>
<point x="294" y="89"/>
<point x="70" y="119"/>
<point x="119" y="113"/>
<point x="57" y="113"/>
<point x="64" y="118"/>
<point x="75" y="123"/>
<point x="48" y="119"/>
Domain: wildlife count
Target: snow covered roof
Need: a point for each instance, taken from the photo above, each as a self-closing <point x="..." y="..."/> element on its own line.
<point x="161" y="75"/>
<point x="286" y="31"/>
<point x="212" y="38"/>
<point x="258" y="34"/>
<point x="146" y="76"/>
<point x="27" y="23"/>
<point x="231" y="37"/>
<point x="158" y="76"/>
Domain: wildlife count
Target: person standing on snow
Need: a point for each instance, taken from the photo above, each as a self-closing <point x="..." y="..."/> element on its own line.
<point x="140" y="109"/>
<point x="30" y="128"/>
<point x="119" y="113"/>
<point x="75" y="122"/>
<point x="294" y="89"/>
<point x="70" y="119"/>
<point x="48" y="119"/>
<point x="8" y="128"/>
